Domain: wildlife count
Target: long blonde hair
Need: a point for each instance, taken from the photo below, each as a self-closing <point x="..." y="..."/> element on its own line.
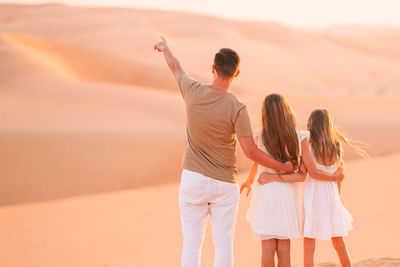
<point x="325" y="138"/>
<point x="279" y="129"/>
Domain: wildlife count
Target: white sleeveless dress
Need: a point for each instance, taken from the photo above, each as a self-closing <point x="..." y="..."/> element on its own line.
<point x="325" y="215"/>
<point x="275" y="208"/>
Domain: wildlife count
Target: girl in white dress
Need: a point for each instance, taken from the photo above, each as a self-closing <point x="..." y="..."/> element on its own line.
<point x="275" y="211"/>
<point x="325" y="216"/>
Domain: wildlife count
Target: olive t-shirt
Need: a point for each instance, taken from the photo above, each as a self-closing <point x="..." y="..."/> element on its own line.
<point x="214" y="119"/>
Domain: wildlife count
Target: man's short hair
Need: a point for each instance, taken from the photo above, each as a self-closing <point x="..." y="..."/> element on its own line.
<point x="226" y="62"/>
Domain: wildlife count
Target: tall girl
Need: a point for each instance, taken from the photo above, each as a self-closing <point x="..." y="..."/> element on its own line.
<point x="325" y="216"/>
<point x="275" y="211"/>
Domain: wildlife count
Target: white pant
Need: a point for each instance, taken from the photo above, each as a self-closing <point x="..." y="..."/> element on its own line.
<point x="200" y="196"/>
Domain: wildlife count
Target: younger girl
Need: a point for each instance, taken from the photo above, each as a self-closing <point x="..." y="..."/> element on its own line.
<point x="325" y="215"/>
<point x="275" y="211"/>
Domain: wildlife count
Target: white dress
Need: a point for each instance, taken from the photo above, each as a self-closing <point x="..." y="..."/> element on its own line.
<point x="325" y="215"/>
<point x="275" y="208"/>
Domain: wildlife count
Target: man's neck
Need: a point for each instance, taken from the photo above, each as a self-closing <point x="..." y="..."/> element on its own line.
<point x="221" y="85"/>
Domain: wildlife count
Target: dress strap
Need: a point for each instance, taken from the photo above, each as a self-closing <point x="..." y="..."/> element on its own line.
<point x="303" y="134"/>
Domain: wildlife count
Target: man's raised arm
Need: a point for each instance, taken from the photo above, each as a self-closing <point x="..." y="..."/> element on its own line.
<point x="172" y="61"/>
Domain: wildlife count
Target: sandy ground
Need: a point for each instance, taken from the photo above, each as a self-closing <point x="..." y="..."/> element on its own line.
<point x="141" y="227"/>
<point x="87" y="108"/>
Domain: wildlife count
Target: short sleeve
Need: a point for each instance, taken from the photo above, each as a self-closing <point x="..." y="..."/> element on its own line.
<point x="242" y="124"/>
<point x="301" y="135"/>
<point x="187" y="85"/>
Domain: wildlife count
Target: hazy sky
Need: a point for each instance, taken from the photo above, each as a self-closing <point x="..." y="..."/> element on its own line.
<point x="316" y="13"/>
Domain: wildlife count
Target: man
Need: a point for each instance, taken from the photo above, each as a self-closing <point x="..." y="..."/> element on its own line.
<point x="209" y="186"/>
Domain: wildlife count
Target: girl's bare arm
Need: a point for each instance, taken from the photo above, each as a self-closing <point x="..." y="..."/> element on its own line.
<point x="312" y="169"/>
<point x="250" y="179"/>
<point x="295" y="177"/>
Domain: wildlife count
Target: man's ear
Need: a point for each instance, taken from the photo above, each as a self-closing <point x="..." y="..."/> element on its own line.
<point x="213" y="68"/>
<point x="236" y="73"/>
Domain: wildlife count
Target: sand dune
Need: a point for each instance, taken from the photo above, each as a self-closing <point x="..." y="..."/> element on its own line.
<point x="380" y="41"/>
<point x="309" y="58"/>
<point x="65" y="151"/>
<point x="83" y="87"/>
<point x="87" y="106"/>
<point x="140" y="227"/>
<point x="76" y="62"/>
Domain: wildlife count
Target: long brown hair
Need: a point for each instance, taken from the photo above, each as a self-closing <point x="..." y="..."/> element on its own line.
<point x="325" y="138"/>
<point x="279" y="129"/>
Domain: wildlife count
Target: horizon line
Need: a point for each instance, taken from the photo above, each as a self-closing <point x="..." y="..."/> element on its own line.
<point x="201" y="13"/>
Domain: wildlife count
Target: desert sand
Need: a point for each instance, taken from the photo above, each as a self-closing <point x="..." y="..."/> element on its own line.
<point x="87" y="109"/>
<point x="140" y="227"/>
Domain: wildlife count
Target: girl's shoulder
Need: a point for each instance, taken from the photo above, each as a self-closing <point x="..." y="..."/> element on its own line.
<point x="303" y="134"/>
<point x="257" y="132"/>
